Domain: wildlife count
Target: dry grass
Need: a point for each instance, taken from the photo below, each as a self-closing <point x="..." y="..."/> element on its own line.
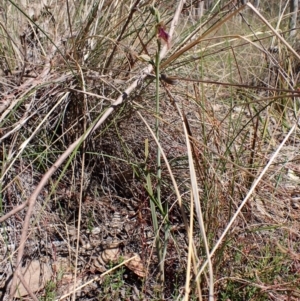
<point x="84" y="203"/>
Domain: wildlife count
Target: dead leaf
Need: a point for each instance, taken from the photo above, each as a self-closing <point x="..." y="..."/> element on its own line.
<point x="36" y="274"/>
<point x="135" y="265"/>
<point x="111" y="255"/>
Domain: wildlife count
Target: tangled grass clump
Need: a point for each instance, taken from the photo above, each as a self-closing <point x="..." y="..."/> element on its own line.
<point x="140" y="152"/>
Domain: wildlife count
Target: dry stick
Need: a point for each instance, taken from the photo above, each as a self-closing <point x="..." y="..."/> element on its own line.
<point x="13" y="211"/>
<point x="72" y="147"/>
